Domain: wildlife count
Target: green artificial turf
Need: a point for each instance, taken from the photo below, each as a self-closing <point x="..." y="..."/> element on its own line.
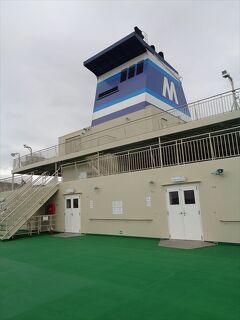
<point x="104" y="277"/>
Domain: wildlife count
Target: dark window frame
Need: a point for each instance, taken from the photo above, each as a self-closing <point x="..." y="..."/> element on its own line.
<point x="74" y="203"/>
<point x="140" y="67"/>
<point x="172" y="200"/>
<point x="131" y="71"/>
<point x="189" y="199"/>
<point x="68" y="203"/>
<point x="123" y="75"/>
<point x="107" y="93"/>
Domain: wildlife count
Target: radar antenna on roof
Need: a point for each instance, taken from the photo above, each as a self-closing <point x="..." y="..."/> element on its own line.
<point x="145" y="36"/>
<point x="141" y="33"/>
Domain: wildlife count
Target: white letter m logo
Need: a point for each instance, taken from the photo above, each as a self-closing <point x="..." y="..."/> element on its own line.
<point x="170" y="90"/>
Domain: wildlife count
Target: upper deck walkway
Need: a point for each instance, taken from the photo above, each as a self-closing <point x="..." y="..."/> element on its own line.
<point x="207" y="108"/>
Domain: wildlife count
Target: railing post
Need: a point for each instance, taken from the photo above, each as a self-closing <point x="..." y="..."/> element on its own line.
<point x="211" y="146"/>
<point x="76" y="171"/>
<point x="12" y="180"/>
<point x="235" y="104"/>
<point x="39" y="224"/>
<point x="160" y="152"/>
<point x="183" y="155"/>
<point x="61" y="169"/>
<point x="98" y="164"/>
<point x="128" y="161"/>
<point x="108" y="164"/>
<point x="177" y="152"/>
<point x="152" y="159"/>
<point x="194" y="107"/>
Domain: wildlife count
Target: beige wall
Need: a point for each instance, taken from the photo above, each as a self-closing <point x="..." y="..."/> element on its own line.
<point x="219" y="200"/>
<point x="159" y="129"/>
<point x="123" y="127"/>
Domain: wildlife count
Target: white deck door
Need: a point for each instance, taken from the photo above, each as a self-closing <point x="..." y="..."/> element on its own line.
<point x="72" y="214"/>
<point x="175" y="217"/>
<point x="184" y="217"/>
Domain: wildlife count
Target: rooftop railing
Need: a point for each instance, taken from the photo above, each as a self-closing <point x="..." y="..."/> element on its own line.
<point x="211" y="106"/>
<point x="14" y="182"/>
<point x="205" y="147"/>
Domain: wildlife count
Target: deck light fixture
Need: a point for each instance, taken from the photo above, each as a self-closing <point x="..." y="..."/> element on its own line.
<point x="176" y="179"/>
<point x="29" y="148"/>
<point x="218" y="172"/>
<point x="226" y="75"/>
<point x="14" y="154"/>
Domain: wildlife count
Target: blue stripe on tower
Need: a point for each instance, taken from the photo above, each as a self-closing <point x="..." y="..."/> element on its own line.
<point x="120" y="113"/>
<point x="162" y="71"/>
<point x="169" y="102"/>
<point x="125" y="88"/>
<point x="118" y="100"/>
<point x="134" y="94"/>
<point x="146" y="62"/>
<point x="110" y="79"/>
<point x="137" y="85"/>
<point x="150" y="81"/>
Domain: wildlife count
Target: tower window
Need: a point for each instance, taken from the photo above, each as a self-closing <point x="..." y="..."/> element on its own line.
<point x="131" y="72"/>
<point x="108" y="92"/>
<point x="140" y="67"/>
<point x="123" y="76"/>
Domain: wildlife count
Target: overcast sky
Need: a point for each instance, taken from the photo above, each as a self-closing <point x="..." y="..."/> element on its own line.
<point x="45" y="91"/>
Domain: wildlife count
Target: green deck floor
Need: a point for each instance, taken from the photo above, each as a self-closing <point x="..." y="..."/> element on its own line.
<point x="112" y="278"/>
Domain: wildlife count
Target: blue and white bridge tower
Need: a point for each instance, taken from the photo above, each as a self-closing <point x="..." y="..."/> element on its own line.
<point x="132" y="75"/>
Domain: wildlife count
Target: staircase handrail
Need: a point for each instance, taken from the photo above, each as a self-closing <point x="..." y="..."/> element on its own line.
<point x="23" y="188"/>
<point x="14" y="192"/>
<point x="29" y="196"/>
<point x="9" y="204"/>
<point x="21" y="193"/>
<point x="31" y="208"/>
<point x="22" y="217"/>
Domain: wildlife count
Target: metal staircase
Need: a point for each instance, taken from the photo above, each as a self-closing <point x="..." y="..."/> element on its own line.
<point x="24" y="202"/>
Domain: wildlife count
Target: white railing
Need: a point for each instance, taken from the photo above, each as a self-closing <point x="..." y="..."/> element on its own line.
<point x="36" y="157"/>
<point x="18" y="211"/>
<point x="14" y="182"/>
<point x="221" y="103"/>
<point x="11" y="200"/>
<point x="38" y="224"/>
<point x="210" y="146"/>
